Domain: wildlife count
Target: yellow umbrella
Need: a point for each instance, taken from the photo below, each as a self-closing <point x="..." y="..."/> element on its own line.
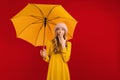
<point x="35" y="23"/>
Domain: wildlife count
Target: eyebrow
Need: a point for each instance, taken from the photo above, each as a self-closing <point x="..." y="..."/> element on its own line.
<point x="60" y="27"/>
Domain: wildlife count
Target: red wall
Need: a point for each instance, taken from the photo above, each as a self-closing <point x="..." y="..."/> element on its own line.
<point x="95" y="46"/>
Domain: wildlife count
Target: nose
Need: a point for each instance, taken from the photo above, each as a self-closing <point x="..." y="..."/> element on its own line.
<point x="60" y="31"/>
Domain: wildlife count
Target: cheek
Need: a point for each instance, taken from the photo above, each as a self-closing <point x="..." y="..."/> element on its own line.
<point x="56" y="33"/>
<point x="63" y="32"/>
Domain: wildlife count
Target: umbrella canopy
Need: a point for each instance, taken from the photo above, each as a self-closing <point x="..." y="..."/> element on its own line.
<point x="35" y="23"/>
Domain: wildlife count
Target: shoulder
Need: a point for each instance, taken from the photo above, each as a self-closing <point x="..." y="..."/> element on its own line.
<point x="49" y="42"/>
<point x="69" y="43"/>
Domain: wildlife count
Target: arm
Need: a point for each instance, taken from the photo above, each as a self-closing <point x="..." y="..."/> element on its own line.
<point x="45" y="53"/>
<point x="66" y="52"/>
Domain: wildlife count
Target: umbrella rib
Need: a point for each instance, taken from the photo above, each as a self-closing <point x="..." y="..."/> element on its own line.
<point x="38" y="34"/>
<point x="69" y="35"/>
<point x="39" y="10"/>
<point x="61" y="17"/>
<point x="27" y="27"/>
<point x="36" y="17"/>
<point x="51" y="11"/>
<point x="50" y="28"/>
<point x="52" y="23"/>
<point x="54" y="18"/>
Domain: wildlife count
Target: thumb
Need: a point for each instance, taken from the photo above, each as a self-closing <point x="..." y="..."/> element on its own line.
<point x="44" y="49"/>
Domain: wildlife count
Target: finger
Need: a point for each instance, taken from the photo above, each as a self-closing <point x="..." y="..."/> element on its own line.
<point x="44" y="49"/>
<point x="41" y="52"/>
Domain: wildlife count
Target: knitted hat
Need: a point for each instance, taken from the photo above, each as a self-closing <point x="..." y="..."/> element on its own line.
<point x="61" y="25"/>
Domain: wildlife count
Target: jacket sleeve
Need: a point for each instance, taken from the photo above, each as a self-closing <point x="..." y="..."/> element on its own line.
<point x="48" y="45"/>
<point x="66" y="52"/>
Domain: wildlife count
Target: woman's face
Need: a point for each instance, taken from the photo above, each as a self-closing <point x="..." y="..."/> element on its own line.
<point x="60" y="31"/>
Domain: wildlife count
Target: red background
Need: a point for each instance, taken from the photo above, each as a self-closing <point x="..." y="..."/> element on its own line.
<point x="95" y="46"/>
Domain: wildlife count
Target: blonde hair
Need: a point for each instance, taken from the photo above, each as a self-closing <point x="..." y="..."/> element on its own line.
<point x="57" y="45"/>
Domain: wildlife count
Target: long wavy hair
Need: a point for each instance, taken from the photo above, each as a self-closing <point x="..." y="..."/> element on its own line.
<point x="56" y="43"/>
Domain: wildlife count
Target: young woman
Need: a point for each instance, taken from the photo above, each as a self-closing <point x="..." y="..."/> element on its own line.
<point x="57" y="53"/>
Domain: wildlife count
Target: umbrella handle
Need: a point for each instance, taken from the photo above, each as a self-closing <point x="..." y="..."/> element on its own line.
<point x="44" y="37"/>
<point x="43" y="47"/>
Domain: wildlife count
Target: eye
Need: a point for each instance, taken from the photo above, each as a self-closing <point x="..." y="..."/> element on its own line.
<point x="57" y="29"/>
<point x="63" y="29"/>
